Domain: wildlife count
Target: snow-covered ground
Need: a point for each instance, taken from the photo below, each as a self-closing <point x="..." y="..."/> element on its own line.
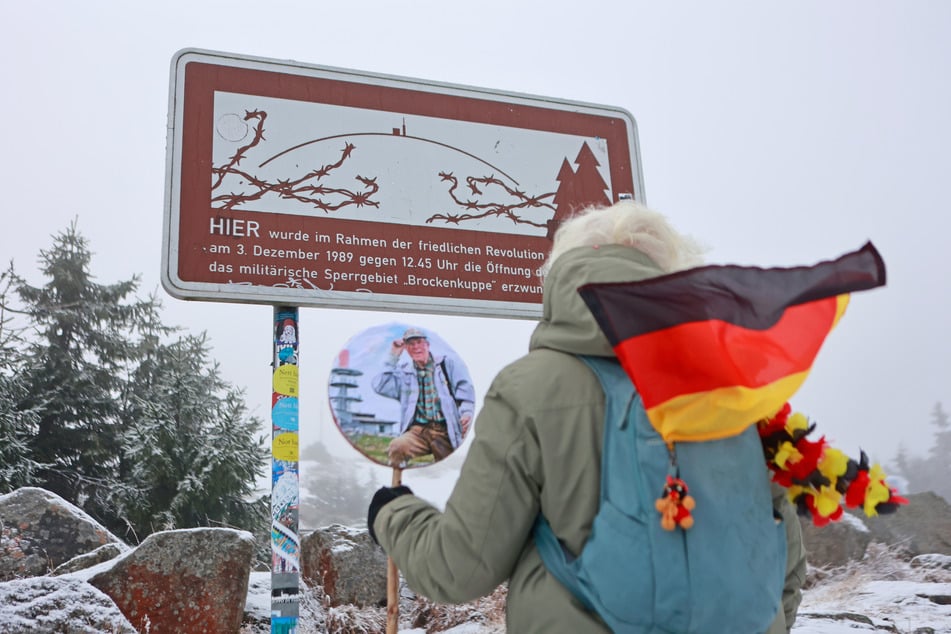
<point x="876" y="606"/>
<point x="847" y="605"/>
<point x="882" y="594"/>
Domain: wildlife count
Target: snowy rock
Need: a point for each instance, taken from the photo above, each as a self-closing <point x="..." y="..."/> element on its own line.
<point x="932" y="562"/>
<point x="90" y="559"/>
<point x="40" y="530"/>
<point x="53" y="604"/>
<point x="837" y="543"/>
<point x="822" y="623"/>
<point x="193" y="580"/>
<point x="922" y="527"/>
<point x="349" y="566"/>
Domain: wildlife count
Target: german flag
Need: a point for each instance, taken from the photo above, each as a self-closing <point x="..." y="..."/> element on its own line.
<point x="714" y="349"/>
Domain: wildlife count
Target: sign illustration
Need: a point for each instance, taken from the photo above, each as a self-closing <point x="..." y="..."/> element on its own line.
<point x="315" y="186"/>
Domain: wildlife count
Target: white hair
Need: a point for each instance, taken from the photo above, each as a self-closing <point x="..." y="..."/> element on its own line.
<point x="631" y="224"/>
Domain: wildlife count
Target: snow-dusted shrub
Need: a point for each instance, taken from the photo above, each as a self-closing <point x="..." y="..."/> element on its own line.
<point x="434" y="617"/>
<point x="881" y="563"/>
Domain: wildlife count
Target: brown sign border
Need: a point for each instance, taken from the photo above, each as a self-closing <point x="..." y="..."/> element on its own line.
<point x="196" y="75"/>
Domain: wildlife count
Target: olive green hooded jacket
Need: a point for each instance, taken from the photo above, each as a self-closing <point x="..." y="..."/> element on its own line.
<point x="537" y="448"/>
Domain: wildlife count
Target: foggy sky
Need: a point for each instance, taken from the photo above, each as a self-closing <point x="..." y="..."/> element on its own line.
<point x="777" y="134"/>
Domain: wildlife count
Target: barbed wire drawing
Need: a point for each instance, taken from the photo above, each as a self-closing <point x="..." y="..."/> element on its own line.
<point x="306" y="189"/>
<point x="577" y="188"/>
<point x="478" y="210"/>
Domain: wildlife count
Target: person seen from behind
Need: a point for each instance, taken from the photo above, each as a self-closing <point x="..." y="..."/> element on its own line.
<point x="538" y="443"/>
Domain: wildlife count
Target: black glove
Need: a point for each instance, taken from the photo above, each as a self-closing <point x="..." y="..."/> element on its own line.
<point x="381" y="498"/>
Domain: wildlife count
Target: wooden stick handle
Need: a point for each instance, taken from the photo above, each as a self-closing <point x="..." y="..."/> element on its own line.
<point x="393" y="578"/>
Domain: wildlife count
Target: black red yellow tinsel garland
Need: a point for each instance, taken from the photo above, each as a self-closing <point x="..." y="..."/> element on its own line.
<point x="820" y="478"/>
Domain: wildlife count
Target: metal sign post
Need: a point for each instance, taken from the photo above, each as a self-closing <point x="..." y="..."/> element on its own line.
<point x="285" y="476"/>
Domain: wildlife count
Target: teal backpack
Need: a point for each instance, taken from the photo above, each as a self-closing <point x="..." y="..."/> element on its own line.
<point x="724" y="574"/>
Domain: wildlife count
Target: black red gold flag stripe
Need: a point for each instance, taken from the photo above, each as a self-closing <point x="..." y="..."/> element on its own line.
<point x="714" y="349"/>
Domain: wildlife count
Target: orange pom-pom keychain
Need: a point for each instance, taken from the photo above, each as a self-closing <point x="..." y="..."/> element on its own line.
<point x="675" y="505"/>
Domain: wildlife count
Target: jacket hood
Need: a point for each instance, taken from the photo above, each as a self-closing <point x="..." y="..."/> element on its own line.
<point x="567" y="324"/>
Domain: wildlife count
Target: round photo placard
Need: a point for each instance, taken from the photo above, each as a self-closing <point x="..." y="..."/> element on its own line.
<point x="401" y="395"/>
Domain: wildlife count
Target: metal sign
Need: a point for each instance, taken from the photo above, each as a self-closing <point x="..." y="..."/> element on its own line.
<point x="305" y="185"/>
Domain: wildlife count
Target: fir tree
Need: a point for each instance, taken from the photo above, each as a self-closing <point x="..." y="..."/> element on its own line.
<point x="902" y="461"/>
<point x="939" y="456"/>
<point x="941" y="450"/>
<point x="564" y="199"/>
<point x="73" y="370"/>
<point x="17" y="469"/>
<point x="933" y="472"/>
<point x="97" y="407"/>
<point x="577" y="189"/>
<point x="190" y="454"/>
<point x="589" y="185"/>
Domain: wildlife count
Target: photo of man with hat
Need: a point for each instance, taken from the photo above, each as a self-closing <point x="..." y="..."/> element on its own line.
<point x="436" y="396"/>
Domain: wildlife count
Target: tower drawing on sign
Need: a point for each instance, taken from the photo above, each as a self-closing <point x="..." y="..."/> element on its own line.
<point x="343" y="398"/>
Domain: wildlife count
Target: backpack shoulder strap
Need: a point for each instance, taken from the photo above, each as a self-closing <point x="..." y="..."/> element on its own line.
<point x="618" y="387"/>
<point x="619" y="397"/>
<point x="619" y="394"/>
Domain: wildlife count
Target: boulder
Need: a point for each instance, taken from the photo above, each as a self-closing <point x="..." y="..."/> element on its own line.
<point x="192" y="580"/>
<point x="921" y="527"/>
<point x="836" y="543"/>
<point x="931" y="562"/>
<point x="40" y="530"/>
<point x="90" y="559"/>
<point x="57" y="604"/>
<point x="346" y="562"/>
